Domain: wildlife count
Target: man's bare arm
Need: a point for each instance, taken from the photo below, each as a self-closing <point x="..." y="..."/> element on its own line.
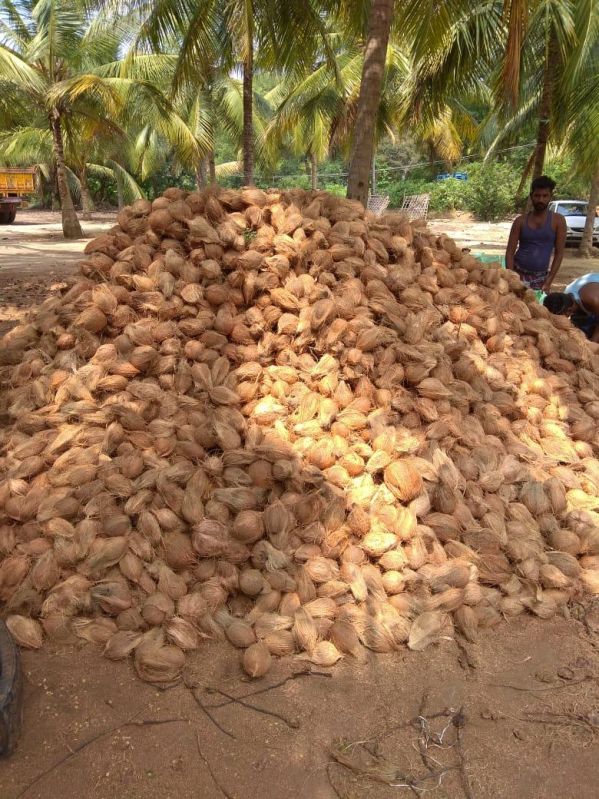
<point x="512" y="243"/>
<point x="560" y="245"/>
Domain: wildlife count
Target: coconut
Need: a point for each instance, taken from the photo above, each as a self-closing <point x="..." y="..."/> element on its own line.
<point x="121" y="644"/>
<point x="467" y="622"/>
<point x="181" y="633"/>
<point x="251" y="582"/>
<point x="345" y="638"/>
<point x="240" y="634"/>
<point x="403" y="480"/>
<point x="428" y="628"/>
<point x="157" y="609"/>
<point x="130" y="619"/>
<point x="304" y="630"/>
<point x="280" y="642"/>
<point x="257" y="660"/>
<point x="97" y="631"/>
<point x="192" y="606"/>
<point x="26" y="632"/>
<point x="157" y="662"/>
<point x="325" y="653"/>
<point x="248" y="527"/>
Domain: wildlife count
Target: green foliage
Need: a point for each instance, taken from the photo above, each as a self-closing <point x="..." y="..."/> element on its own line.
<point x="491" y="191"/>
<point x="102" y="189"/>
<point x="335" y="188"/>
<point x="285" y="182"/>
<point x="397" y="189"/>
<point x="488" y="193"/>
<point x="449" y="195"/>
<point x="165" y="176"/>
<point x="114" y="104"/>
<point x="570" y="186"/>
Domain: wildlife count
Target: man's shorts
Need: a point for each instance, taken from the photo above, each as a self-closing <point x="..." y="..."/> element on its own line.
<point x="534" y="280"/>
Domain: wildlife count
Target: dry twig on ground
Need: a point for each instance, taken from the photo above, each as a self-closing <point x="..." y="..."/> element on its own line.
<point x="364" y="759"/>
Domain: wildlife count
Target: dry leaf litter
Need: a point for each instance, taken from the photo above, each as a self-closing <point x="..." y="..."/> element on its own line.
<point x="276" y="420"/>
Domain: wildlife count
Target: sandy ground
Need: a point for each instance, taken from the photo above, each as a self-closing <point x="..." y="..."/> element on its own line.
<point x="35" y="259"/>
<point x="513" y="716"/>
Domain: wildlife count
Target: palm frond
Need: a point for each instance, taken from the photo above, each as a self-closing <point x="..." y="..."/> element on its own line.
<point x="130" y="188"/>
<point x="16" y="70"/>
<point x="229" y="168"/>
<point x="26" y="145"/>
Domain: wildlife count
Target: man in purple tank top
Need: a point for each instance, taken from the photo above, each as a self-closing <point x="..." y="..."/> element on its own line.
<point x="535" y="237"/>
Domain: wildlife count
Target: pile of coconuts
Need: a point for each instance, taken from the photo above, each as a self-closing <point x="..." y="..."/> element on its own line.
<point x="276" y="420"/>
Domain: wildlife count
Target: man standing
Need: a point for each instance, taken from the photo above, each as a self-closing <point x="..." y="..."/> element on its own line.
<point x="535" y="236"/>
<point x="579" y="301"/>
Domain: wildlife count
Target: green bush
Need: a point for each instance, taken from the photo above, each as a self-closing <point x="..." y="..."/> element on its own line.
<point x="334" y="188"/>
<point x="285" y="182"/>
<point x="490" y="190"/>
<point x="488" y="193"/>
<point x="448" y="195"/>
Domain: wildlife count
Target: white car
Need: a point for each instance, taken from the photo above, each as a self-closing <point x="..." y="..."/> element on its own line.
<point x="575" y="212"/>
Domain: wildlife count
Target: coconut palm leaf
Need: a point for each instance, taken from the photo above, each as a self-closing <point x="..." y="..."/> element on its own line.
<point x="26" y="145"/>
<point x="127" y="183"/>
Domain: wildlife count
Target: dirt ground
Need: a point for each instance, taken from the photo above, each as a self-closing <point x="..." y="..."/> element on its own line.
<point x="35" y="259"/>
<point x="513" y="716"/>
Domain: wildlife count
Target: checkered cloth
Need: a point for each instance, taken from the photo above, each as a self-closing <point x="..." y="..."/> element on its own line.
<point x="534" y="280"/>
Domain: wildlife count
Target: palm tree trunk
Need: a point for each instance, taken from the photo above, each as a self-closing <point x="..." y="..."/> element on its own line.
<point x="86" y="197"/>
<point x="525" y="175"/>
<point x="248" y="126"/>
<point x="201" y="173"/>
<point x="373" y="171"/>
<point x="53" y="187"/>
<point x="550" y="74"/>
<point x="70" y="224"/>
<point x="212" y="167"/>
<point x="120" y="200"/>
<point x="379" y="27"/>
<point x="585" y="249"/>
<point x="313" y="172"/>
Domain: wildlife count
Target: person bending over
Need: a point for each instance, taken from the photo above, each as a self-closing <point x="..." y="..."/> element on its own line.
<point x="579" y="301"/>
<point x="535" y="236"/>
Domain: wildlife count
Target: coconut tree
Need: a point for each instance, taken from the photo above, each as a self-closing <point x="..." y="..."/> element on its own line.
<point x="556" y="104"/>
<point x="43" y="44"/>
<point x="578" y="119"/>
<point x="231" y="37"/>
<point x="521" y="48"/>
<point x="218" y="109"/>
<point x="318" y="111"/>
<point x="85" y="155"/>
<point x="375" y="56"/>
<point x="59" y="62"/>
